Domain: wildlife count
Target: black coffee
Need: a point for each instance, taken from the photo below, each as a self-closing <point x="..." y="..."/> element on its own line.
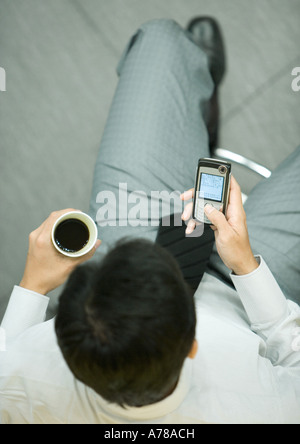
<point x="71" y="235"/>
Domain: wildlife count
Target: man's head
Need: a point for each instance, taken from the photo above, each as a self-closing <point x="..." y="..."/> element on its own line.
<point x="126" y="325"/>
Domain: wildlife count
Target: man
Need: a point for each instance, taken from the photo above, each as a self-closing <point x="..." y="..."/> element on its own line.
<point x="125" y="346"/>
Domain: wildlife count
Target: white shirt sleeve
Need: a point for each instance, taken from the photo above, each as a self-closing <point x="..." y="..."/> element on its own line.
<point x="25" y="309"/>
<point x="274" y="318"/>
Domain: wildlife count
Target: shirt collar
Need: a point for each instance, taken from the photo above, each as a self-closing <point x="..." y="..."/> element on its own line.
<point x="159" y="409"/>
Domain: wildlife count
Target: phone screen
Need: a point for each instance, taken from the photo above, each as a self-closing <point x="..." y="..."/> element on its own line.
<point x="211" y="187"/>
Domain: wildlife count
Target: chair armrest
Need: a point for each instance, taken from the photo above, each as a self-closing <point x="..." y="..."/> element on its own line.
<point x="241" y="160"/>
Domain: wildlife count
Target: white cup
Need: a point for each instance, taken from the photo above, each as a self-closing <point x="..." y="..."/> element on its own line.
<point x="89" y="223"/>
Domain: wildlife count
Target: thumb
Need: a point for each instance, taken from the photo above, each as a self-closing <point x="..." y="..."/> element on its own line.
<point x="97" y="245"/>
<point x="89" y="255"/>
<point x="216" y="217"/>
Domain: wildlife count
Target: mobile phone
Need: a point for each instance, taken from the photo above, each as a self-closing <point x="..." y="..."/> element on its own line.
<point x="211" y="187"/>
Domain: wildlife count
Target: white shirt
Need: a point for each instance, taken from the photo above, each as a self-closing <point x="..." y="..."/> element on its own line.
<point x="247" y="369"/>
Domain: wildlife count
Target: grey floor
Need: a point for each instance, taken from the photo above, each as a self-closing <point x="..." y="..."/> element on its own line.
<point x="60" y="58"/>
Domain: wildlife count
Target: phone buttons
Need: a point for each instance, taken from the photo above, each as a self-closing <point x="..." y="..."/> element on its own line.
<point x="199" y="211"/>
<point x="200" y="214"/>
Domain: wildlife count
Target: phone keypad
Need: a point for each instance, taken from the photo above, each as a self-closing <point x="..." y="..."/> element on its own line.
<point x="199" y="210"/>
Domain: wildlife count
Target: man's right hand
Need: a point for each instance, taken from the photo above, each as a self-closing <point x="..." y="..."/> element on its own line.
<point x="231" y="234"/>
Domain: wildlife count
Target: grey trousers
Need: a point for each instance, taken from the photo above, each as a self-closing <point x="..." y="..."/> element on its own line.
<point x="154" y="136"/>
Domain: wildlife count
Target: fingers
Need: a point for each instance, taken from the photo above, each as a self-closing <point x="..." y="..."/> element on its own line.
<point x="235" y="195"/>
<point x="57" y="214"/>
<point x="89" y="255"/>
<point x="187" y="195"/>
<point x="190" y="226"/>
<point x="52" y="218"/>
<point x="216" y="217"/>
<point x="97" y="245"/>
<point x="187" y="213"/>
<point x="188" y="210"/>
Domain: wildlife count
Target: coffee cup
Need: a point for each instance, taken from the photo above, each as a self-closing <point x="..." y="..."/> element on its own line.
<point x="74" y="234"/>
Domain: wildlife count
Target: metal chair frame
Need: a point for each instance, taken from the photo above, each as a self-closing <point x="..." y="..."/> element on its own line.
<point x="257" y="168"/>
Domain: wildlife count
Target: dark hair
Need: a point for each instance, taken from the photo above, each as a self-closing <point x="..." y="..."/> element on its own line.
<point x="126" y="325"/>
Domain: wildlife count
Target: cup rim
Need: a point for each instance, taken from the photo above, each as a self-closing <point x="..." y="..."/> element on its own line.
<point x="84" y="250"/>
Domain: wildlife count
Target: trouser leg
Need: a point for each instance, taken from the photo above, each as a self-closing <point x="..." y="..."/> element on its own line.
<point x="154" y="134"/>
<point x="273" y="218"/>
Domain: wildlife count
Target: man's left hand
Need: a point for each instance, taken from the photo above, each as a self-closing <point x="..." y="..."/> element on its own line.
<point x="46" y="268"/>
